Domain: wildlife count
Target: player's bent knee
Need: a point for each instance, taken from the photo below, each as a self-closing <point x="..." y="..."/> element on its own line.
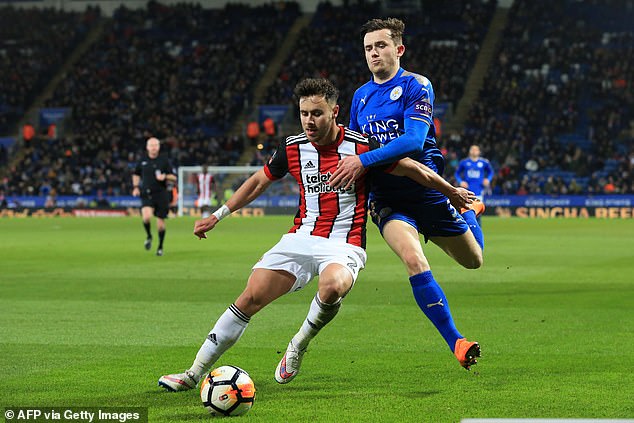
<point x="474" y="262"/>
<point x="332" y="289"/>
<point x="414" y="263"/>
<point x="473" y="265"/>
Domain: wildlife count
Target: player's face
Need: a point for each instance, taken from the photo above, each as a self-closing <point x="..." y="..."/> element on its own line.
<point x="474" y="152"/>
<point x="319" y="119"/>
<point x="153" y="147"/>
<point x="382" y="54"/>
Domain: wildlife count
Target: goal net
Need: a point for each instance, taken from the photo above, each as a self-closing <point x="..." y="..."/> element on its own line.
<point x="281" y="197"/>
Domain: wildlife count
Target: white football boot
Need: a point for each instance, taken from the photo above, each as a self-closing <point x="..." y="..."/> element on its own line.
<point x="289" y="365"/>
<point x="179" y="381"/>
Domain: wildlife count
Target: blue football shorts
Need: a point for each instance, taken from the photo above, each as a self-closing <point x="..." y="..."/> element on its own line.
<point x="430" y="220"/>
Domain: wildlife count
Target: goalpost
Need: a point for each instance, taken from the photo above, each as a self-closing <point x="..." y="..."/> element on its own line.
<point x="187" y="182"/>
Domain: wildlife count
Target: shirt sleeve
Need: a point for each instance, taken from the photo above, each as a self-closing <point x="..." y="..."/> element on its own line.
<point x="459" y="171"/>
<point x="277" y="165"/>
<point x="489" y="169"/>
<point x="420" y="102"/>
<point x="412" y="141"/>
<point x="385" y="168"/>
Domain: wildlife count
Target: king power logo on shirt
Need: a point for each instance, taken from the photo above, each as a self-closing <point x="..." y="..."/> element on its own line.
<point x="383" y="131"/>
<point x="317" y="183"/>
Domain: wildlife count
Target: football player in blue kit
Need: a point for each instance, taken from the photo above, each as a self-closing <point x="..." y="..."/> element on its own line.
<point x="396" y="108"/>
<point x="474" y="172"/>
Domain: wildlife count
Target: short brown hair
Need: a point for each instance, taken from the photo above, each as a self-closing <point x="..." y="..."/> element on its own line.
<point x="317" y="86"/>
<point x="396" y="27"/>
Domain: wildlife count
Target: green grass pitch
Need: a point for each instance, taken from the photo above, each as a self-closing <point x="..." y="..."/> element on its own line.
<point x="89" y="318"/>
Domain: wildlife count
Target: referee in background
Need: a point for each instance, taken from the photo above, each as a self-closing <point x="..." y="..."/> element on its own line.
<point x="150" y="182"/>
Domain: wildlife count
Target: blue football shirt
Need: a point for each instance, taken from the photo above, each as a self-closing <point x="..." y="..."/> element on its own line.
<point x="385" y="112"/>
<point x="474" y="172"/>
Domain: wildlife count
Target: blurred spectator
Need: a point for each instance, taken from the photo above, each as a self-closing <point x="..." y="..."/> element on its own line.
<point x="100" y="201"/>
<point x="3" y="199"/>
<point x="4" y="155"/>
<point x="253" y="131"/>
<point x="28" y="132"/>
<point x="51" y="199"/>
<point x="609" y="187"/>
<point x="269" y="127"/>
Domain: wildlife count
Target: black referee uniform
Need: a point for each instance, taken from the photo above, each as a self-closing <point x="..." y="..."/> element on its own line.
<point x="154" y="193"/>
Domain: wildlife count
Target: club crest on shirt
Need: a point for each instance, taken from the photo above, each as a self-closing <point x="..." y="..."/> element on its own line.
<point x="396" y="93"/>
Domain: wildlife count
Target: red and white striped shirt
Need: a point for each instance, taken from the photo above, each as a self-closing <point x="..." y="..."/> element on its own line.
<point x="205" y="183"/>
<point x="336" y="214"/>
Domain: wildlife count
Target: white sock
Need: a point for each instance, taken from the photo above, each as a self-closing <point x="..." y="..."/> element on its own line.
<point x="319" y="315"/>
<point x="226" y="332"/>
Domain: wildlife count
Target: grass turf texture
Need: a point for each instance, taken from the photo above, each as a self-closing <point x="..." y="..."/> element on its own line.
<point x="89" y="318"/>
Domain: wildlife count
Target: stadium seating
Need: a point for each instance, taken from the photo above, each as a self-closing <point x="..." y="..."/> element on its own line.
<point x="442" y="41"/>
<point x="557" y="98"/>
<point x="181" y="73"/>
<point x="33" y="43"/>
<point x="555" y="115"/>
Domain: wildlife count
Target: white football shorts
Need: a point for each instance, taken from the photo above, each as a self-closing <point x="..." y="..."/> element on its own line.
<point x="203" y="202"/>
<point x="306" y="256"/>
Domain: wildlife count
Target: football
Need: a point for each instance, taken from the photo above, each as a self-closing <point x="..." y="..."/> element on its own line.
<point x="227" y="391"/>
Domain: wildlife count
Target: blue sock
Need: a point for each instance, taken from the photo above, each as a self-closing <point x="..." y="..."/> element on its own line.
<point x="470" y="217"/>
<point x="432" y="301"/>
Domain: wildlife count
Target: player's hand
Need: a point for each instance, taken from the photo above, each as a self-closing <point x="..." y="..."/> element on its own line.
<point x="136" y="192"/>
<point x="204" y="225"/>
<point x="348" y="170"/>
<point x="485" y="182"/>
<point x="461" y="198"/>
<point x="464" y="184"/>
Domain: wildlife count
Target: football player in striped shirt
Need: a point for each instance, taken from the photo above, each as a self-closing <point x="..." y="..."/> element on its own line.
<point x="396" y="108"/>
<point x="206" y="187"/>
<point x="327" y="238"/>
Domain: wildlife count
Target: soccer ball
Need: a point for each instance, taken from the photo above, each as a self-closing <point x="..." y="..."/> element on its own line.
<point x="227" y="391"/>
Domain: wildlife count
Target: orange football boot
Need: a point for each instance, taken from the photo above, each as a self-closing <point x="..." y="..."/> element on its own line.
<point x="466" y="352"/>
<point x="477" y="206"/>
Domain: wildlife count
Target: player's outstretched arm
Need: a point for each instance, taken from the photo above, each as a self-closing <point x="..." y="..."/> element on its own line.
<point x="248" y="191"/>
<point x="459" y="171"/>
<point x="412" y="141"/>
<point x="489" y="174"/>
<point x="459" y="197"/>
